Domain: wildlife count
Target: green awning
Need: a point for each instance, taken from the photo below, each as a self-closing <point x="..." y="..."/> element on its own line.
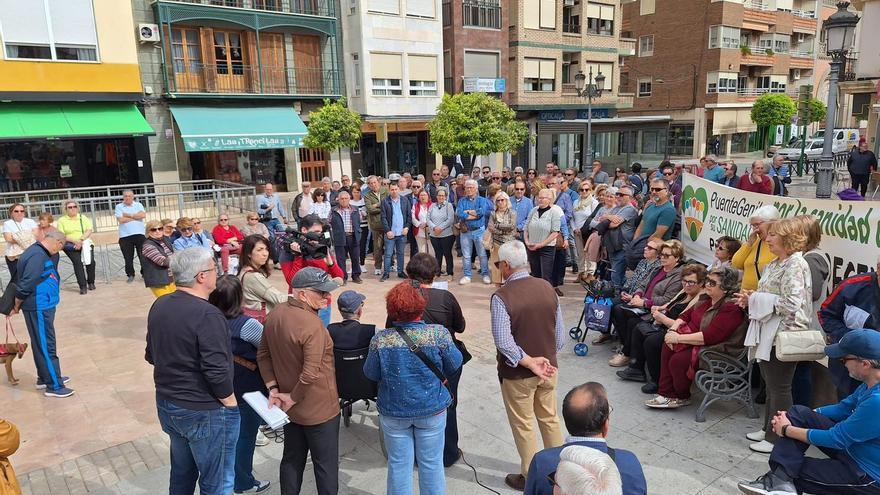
<point x="71" y="120"/>
<point x="238" y="127"/>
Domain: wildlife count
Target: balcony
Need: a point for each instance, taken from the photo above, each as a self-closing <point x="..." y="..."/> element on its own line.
<point x="571" y="28"/>
<point x="325" y="8"/>
<point x="756" y="5"/>
<point x="236" y="79"/>
<point x="756" y="55"/>
<point x="625" y="100"/>
<point x="481" y="13"/>
<point x="751" y="94"/>
<point x="627" y="47"/>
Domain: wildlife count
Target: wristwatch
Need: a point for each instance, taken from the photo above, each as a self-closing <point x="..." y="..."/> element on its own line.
<point x="784" y="429"/>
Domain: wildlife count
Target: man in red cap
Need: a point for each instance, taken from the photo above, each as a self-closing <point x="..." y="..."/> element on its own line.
<point x="861" y="163"/>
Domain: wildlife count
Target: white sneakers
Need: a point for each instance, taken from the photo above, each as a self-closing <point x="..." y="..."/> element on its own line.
<point x="763" y="447"/>
<point x="464" y="281"/>
<point x="618" y="360"/>
<point x="661" y="402"/>
<point x="487" y="280"/>
<point x="756" y="436"/>
<point x="377" y="272"/>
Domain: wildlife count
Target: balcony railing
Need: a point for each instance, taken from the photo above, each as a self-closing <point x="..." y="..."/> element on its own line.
<point x="252" y="79"/>
<point x="806" y="14"/>
<point x="802" y="53"/>
<point x="761" y="91"/>
<point x="756" y="5"/>
<point x="308" y="7"/>
<point x="481" y="13"/>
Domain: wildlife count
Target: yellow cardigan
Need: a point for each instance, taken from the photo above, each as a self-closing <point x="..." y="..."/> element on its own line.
<point x="752" y="268"/>
<point x="9" y="441"/>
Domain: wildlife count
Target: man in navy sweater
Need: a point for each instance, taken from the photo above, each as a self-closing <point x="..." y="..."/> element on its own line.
<point x="586" y="412"/>
<point x="847" y="432"/>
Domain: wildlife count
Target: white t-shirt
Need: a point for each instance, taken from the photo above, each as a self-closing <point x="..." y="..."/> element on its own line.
<point x="11" y="226"/>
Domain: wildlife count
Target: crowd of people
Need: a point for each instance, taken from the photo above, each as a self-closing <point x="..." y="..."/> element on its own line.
<point x="219" y="329"/>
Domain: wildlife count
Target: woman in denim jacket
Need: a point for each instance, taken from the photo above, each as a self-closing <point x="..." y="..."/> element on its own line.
<point x="412" y="400"/>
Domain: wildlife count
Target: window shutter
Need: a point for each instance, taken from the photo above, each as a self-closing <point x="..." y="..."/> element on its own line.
<point x="594" y="10"/>
<point x="481" y="64"/>
<point x="24" y="22"/>
<point x="548" y="69"/>
<point x="422" y="68"/>
<point x="607" y="13"/>
<point x="548" y="14"/>
<point x="386" y="66"/>
<point x="531" y="13"/>
<point x="531" y="68"/>
<point x="420" y="8"/>
<point x="386" y="6"/>
<point x="73" y="22"/>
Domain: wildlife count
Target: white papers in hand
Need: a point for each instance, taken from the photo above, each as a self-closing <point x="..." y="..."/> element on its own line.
<point x="275" y="418"/>
<point x="440" y="284"/>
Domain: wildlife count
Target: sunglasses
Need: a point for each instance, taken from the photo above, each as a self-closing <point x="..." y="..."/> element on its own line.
<point x="657" y="189"/>
<point x="253" y="218"/>
<point x="665" y="255"/>
<point x="586" y="189"/>
<point x="496" y="178"/>
<point x="500" y="200"/>
<point x="570" y="174"/>
<point x="157" y="229"/>
<point x="436" y="175"/>
<point x="72" y="207"/>
<point x="17" y="211"/>
<point x="519" y="189"/>
<point x="711" y="283"/>
<point x="668" y="174"/>
<point x="224" y="219"/>
<point x="186" y="229"/>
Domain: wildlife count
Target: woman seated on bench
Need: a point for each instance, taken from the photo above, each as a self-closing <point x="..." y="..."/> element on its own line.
<point x="717" y="322"/>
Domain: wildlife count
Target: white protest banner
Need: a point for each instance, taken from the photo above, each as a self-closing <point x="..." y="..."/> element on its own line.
<point x="850" y="229"/>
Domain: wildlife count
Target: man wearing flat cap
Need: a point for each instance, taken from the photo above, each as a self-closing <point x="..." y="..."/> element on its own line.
<point x="350" y="334"/>
<point x="296" y="361"/>
<point x="847" y="432"/>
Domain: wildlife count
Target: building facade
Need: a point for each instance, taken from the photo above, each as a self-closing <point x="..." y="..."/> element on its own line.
<point x="230" y="82"/>
<point x="550" y="43"/>
<point x="394" y="58"/>
<point x="69" y="93"/>
<point x="860" y="80"/>
<point x="706" y="70"/>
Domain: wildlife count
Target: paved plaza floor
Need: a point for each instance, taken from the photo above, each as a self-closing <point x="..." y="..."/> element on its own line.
<point x="106" y="438"/>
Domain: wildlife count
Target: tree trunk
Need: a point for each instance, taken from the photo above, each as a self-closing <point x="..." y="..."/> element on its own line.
<point x="341" y="173"/>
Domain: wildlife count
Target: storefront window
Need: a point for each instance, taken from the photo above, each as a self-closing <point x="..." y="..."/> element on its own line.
<point x="250" y="167"/>
<point x="681" y="140"/>
<point x="566" y="151"/>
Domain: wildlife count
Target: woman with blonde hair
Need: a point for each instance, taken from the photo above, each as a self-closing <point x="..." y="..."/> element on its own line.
<point x="156" y="260"/>
<point x="754" y="255"/>
<point x="502" y="228"/>
<point x="78" y="230"/>
<point x="785" y="286"/>
<point x="582" y="210"/>
<point x="19" y="232"/>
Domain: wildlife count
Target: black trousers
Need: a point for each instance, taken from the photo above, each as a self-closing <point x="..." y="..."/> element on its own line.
<point x="560" y="261"/>
<point x="351" y="249"/>
<point x="443" y="249"/>
<point x="411" y="240"/>
<point x="860" y="182"/>
<point x="450" y="447"/>
<point x="365" y="234"/>
<point x="642" y="348"/>
<point x="128" y="245"/>
<point x="84" y="275"/>
<point x="322" y="441"/>
<point x="13" y="269"/>
<point x="839" y="474"/>
<point x="541" y="262"/>
<point x="624" y="324"/>
<point x="652" y="347"/>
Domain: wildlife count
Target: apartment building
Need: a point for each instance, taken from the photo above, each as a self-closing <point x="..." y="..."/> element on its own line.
<point x="860" y="80"/>
<point x="69" y="92"/>
<point x="394" y="61"/>
<point x="475" y="47"/>
<point x="550" y="42"/>
<point x="229" y="84"/>
<point x="704" y="63"/>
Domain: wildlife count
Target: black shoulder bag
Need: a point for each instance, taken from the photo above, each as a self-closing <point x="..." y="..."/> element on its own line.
<point x="418" y="352"/>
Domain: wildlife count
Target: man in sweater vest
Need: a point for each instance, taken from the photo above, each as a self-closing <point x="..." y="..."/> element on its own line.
<point x="527" y="337"/>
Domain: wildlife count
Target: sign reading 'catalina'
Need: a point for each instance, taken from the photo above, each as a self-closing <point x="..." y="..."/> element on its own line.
<point x="232" y="143"/>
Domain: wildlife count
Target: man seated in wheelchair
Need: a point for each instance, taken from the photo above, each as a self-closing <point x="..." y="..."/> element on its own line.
<point x="350" y="334"/>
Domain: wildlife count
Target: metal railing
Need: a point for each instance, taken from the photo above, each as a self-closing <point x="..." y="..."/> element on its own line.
<point x="571" y="27"/>
<point x="801" y="53"/>
<point x="756" y="5"/>
<point x="309" y="7"/>
<point x="234" y="78"/>
<point x="805" y="14"/>
<point x="481" y="13"/>
<point x="195" y="198"/>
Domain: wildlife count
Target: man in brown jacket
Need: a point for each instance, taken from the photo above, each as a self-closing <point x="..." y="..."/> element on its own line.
<point x="527" y="337"/>
<point x="296" y="362"/>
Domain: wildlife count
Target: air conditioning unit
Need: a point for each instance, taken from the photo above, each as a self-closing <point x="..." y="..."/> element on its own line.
<point x="795" y="74"/>
<point x="148" y="33"/>
<point x="569" y="2"/>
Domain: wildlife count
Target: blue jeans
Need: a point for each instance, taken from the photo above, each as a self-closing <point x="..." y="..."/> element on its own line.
<point x="471" y="241"/>
<point x="419" y="437"/>
<point x="618" y="268"/>
<point x="244" y="449"/>
<point x="394" y="247"/>
<point x="202" y="447"/>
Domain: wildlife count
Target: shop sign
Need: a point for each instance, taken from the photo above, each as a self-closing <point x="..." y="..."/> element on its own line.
<point x="482" y="85"/>
<point x="598" y="113"/>
<point x="233" y="143"/>
<point x="551" y="115"/>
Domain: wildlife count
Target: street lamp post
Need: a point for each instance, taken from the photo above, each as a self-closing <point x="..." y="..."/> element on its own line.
<point x="839" y="31"/>
<point x="593" y="89"/>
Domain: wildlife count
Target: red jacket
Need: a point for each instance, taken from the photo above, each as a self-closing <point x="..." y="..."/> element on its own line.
<point x="291" y="267"/>
<point x="765" y="187"/>
<point x="222" y="236"/>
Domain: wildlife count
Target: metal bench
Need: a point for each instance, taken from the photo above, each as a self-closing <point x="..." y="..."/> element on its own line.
<point x="728" y="378"/>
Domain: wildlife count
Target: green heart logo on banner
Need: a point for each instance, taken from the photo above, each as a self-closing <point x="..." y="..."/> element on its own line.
<point x="694" y="209"/>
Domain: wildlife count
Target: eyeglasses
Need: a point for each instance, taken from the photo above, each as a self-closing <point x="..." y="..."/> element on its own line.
<point x="845" y="359"/>
<point x="186" y="229"/>
<point x="586" y="189"/>
<point x="711" y="283"/>
<point x="689" y="283"/>
<point x="551" y="478"/>
<point x="500" y="200"/>
<point x="436" y="174"/>
<point x="209" y="270"/>
<point x="665" y="255"/>
<point x="157" y="229"/>
<point x="668" y="174"/>
<point x="17" y="211"/>
<point x="487" y="172"/>
<point x="324" y="295"/>
<point x="197" y="223"/>
<point x="570" y="174"/>
<point x="650" y="247"/>
<point x="496" y="178"/>
<point x="519" y="189"/>
<point x="224" y="219"/>
<point x="621" y="195"/>
<point x="72" y="207"/>
<point x="657" y="189"/>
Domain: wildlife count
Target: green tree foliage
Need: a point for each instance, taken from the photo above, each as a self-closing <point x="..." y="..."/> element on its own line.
<point x="332" y="127"/>
<point x="475" y="124"/>
<point x="772" y="109"/>
<point x="817" y="110"/>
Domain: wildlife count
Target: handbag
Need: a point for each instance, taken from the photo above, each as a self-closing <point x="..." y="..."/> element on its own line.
<point x="487" y="239"/>
<point x="808" y="345"/>
<point x="14" y="348"/>
<point x="560" y="240"/>
<point x="415" y="349"/>
<point x="646" y="328"/>
<point x="597" y="313"/>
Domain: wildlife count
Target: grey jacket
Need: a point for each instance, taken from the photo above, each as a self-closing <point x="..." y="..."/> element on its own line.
<point x="441" y="216"/>
<point x="667" y="288"/>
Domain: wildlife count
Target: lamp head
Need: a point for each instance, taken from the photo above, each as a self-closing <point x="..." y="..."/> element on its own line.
<point x="839" y="30"/>
<point x="600" y="81"/>
<point x="579" y="80"/>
